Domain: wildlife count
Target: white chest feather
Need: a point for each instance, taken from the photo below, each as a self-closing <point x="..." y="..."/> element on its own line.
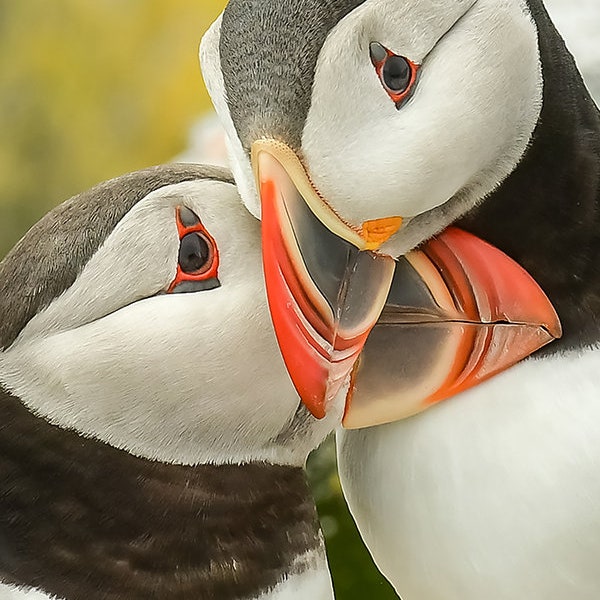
<point x="493" y="494"/>
<point x="8" y="592"/>
<point x="313" y="583"/>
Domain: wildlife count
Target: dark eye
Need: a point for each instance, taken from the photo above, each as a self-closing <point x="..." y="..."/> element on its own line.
<point x="194" y="253"/>
<point x="396" y="73"/>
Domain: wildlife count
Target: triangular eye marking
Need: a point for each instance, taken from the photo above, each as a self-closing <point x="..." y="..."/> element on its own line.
<point x="198" y="260"/>
<point x="398" y="74"/>
<point x="186" y="217"/>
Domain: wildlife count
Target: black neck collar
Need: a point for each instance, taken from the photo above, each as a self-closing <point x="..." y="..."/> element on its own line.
<point x="546" y="215"/>
<point x="83" y="520"/>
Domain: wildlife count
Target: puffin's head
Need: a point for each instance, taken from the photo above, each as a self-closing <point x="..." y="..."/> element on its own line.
<point x="135" y="313"/>
<point x="362" y="125"/>
<point x="394" y="109"/>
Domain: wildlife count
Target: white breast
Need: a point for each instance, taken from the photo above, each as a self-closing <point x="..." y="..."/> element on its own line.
<point x="8" y="592"/>
<point x="493" y="494"/>
<point x="314" y="583"/>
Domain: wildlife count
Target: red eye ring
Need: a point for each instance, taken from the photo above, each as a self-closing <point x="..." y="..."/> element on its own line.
<point x="382" y="59"/>
<point x="210" y="269"/>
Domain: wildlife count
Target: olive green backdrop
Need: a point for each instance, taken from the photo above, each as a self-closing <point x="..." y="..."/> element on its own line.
<point x="93" y="89"/>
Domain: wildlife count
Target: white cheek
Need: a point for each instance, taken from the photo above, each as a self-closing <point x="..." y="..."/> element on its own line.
<point x="474" y="108"/>
<point x="213" y="78"/>
<point x="184" y="378"/>
<point x="138" y="260"/>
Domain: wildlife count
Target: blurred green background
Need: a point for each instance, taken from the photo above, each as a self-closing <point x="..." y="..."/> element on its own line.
<point x="90" y="90"/>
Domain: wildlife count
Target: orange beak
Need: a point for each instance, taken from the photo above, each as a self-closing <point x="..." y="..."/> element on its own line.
<point x="459" y="311"/>
<point x="325" y="294"/>
<point x="395" y="336"/>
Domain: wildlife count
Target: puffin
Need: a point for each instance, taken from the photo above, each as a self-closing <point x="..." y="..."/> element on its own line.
<point x="151" y="442"/>
<point x="395" y="152"/>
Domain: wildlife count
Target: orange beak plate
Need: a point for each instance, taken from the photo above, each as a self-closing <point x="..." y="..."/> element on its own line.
<point x="325" y="294"/>
<point x="394" y="336"/>
<point x="459" y="312"/>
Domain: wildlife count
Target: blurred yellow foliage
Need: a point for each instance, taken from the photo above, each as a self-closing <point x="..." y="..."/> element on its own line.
<point x="89" y="90"/>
